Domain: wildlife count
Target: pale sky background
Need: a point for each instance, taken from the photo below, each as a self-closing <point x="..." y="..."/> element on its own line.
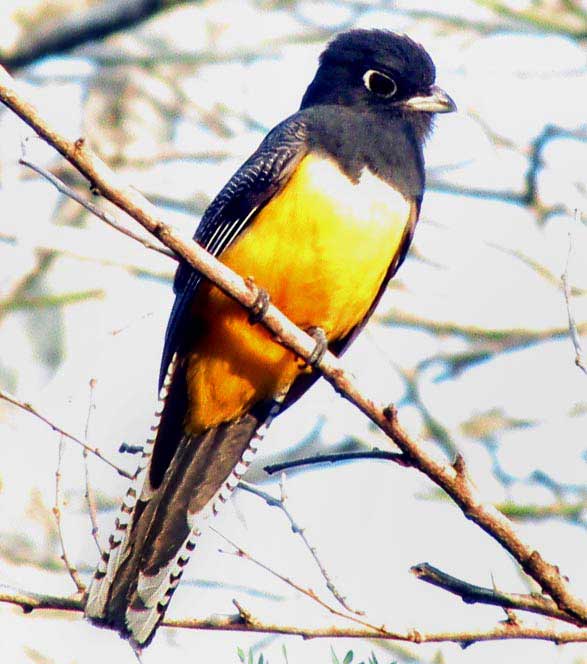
<point x="474" y="263"/>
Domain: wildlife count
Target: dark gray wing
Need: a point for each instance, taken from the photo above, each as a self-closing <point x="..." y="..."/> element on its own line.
<point x="253" y="185"/>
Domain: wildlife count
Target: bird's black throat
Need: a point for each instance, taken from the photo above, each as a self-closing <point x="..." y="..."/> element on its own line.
<point x="390" y="145"/>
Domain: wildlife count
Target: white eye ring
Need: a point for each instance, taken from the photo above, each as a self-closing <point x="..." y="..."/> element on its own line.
<point x="379" y="84"/>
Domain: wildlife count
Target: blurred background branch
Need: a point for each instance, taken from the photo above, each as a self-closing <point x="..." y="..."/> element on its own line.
<point x="55" y="32"/>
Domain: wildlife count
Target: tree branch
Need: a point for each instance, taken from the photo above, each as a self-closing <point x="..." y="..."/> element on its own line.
<point x="472" y="594"/>
<point x="452" y="479"/>
<point x="29" y="602"/>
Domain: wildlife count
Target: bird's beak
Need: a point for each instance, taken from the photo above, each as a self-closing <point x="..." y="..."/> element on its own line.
<point x="435" y="102"/>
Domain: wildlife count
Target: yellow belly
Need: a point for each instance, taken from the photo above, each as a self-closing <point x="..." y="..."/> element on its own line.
<point x="321" y="248"/>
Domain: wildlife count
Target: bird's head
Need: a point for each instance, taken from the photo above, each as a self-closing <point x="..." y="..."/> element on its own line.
<point x="381" y="71"/>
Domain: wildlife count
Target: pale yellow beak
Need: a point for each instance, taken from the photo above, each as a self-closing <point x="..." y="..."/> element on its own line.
<point x="438" y="101"/>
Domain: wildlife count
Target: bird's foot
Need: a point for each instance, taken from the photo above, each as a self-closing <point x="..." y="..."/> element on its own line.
<point x="319" y="336"/>
<point x="261" y="303"/>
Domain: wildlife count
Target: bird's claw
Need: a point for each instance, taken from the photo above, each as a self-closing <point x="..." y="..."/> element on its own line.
<point x="260" y="305"/>
<point x="319" y="336"/>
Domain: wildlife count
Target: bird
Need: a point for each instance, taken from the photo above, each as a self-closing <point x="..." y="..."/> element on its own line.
<point x="320" y="217"/>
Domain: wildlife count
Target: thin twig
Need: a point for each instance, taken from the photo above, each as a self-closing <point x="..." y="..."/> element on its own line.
<point x="94" y="209"/>
<point x="281" y="504"/>
<point x="511" y="615"/>
<point x="33" y="411"/>
<point x="573" y="332"/>
<point x="397" y="457"/>
<point x="308" y="592"/>
<point x="89" y="492"/>
<point x="71" y="568"/>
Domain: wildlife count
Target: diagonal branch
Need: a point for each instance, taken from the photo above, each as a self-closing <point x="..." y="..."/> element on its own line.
<point x="94" y="209"/>
<point x="281" y="504"/>
<point x="308" y="592"/>
<point x="472" y="594"/>
<point x="453" y="479"/>
<point x="23" y="405"/>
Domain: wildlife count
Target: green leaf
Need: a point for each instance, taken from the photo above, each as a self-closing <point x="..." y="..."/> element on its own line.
<point x="335" y="659"/>
<point x="241" y="654"/>
<point x="348" y="658"/>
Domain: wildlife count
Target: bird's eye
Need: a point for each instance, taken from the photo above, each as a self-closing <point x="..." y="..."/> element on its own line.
<point x="379" y="84"/>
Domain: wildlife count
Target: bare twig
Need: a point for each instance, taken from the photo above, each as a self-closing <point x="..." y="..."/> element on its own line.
<point x="573" y="331"/>
<point x="472" y="594"/>
<point x="94" y="209"/>
<point x="89" y="492"/>
<point x="281" y="504"/>
<point x="308" y="592"/>
<point x="511" y="615"/>
<point x="23" y="405"/>
<point x="71" y="568"/>
<point x="396" y="457"/>
<point x="452" y="479"/>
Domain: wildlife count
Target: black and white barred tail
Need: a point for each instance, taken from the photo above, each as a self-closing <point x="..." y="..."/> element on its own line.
<point x="159" y="522"/>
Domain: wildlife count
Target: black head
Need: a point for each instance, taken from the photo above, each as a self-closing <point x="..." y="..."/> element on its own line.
<point x="381" y="71"/>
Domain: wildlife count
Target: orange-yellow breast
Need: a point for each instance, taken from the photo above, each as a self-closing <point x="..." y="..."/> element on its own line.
<point x="321" y="248"/>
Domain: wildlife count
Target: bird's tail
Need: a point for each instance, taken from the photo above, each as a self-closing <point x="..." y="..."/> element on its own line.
<point x="184" y="483"/>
